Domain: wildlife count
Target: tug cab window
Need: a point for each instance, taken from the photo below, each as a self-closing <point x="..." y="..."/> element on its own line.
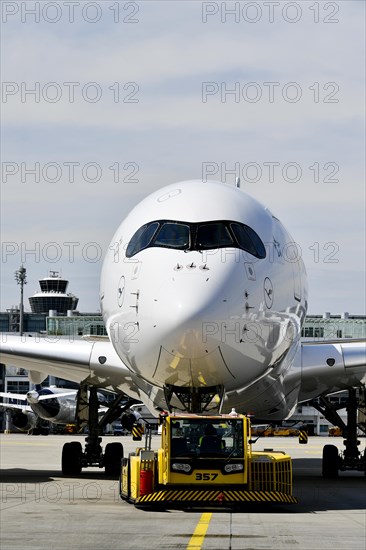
<point x="187" y="236"/>
<point x="193" y="437"/>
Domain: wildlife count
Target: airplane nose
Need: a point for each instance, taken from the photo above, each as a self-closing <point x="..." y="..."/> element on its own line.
<point x="176" y="347"/>
<point x="182" y="324"/>
<point x="185" y="304"/>
<point x="181" y="308"/>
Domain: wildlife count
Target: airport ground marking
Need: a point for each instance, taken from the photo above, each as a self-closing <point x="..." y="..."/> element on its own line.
<point x="198" y="536"/>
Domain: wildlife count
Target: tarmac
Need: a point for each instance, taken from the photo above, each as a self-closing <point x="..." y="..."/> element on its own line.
<point x="41" y="509"/>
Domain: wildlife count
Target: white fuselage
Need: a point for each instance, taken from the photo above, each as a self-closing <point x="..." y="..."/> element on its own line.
<point x="192" y="315"/>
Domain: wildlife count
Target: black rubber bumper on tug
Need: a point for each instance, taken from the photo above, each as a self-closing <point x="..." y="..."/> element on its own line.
<point x="213" y="497"/>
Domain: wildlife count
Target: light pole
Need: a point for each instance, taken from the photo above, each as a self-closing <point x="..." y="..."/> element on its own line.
<point x="21" y="279"/>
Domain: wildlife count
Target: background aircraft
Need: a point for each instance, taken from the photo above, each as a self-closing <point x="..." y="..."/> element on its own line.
<point x="54" y="405"/>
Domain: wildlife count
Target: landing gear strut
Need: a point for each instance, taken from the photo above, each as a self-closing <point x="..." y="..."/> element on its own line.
<point x="194" y="400"/>
<point x="73" y="456"/>
<point x="351" y="458"/>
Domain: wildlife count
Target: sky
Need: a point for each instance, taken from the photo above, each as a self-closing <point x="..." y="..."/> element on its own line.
<point x="104" y="102"/>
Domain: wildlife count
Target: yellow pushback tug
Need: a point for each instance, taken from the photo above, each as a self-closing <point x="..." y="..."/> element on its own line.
<point x="205" y="461"/>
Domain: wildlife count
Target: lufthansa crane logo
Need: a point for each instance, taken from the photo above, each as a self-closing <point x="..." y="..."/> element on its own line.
<point x="268" y="292"/>
<point x="121" y="291"/>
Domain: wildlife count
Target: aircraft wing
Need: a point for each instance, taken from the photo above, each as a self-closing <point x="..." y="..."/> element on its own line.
<point x="320" y="368"/>
<point x="18" y="396"/>
<point x="11" y="405"/>
<point x="10" y="399"/>
<point x="93" y="362"/>
<point x="326" y="367"/>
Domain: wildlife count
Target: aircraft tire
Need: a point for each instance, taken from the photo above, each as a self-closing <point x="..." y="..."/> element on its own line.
<point x="71" y="458"/>
<point x="330" y="461"/>
<point x="113" y="455"/>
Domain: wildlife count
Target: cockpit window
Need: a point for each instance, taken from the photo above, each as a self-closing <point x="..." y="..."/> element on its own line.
<point x="141" y="238"/>
<point x="248" y="240"/>
<point x="173" y="235"/>
<point x="213" y="235"/>
<point x="196" y="236"/>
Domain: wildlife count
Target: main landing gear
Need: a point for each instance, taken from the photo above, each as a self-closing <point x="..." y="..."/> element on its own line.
<point x="74" y="458"/>
<point x="351" y="458"/>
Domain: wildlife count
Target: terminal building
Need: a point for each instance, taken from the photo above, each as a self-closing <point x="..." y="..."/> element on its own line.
<point x="52" y="300"/>
<point x="333" y="327"/>
<point x="32" y="322"/>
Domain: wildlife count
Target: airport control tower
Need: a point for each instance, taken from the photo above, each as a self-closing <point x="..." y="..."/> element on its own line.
<point x="53" y="296"/>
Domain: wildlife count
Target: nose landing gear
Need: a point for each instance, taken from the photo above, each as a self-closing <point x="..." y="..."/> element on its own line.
<point x="195" y="400"/>
<point x="74" y="459"/>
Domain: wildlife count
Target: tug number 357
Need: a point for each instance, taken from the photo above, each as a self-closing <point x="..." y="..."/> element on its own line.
<point x="205" y="477"/>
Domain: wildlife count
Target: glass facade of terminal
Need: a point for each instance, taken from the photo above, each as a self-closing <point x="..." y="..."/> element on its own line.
<point x="318" y="327"/>
<point x="76" y="325"/>
<point x="32" y="322"/>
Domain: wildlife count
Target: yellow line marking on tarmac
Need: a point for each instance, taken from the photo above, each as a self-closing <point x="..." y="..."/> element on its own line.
<point x="198" y="536"/>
